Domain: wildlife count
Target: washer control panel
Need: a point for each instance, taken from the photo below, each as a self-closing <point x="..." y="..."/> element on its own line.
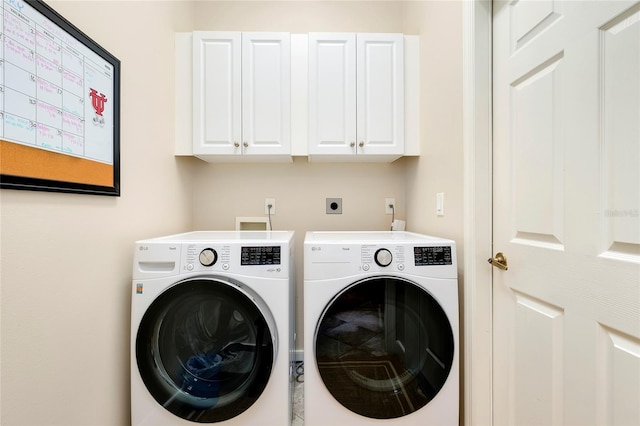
<point x="198" y="256"/>
<point x="247" y="259"/>
<point x="391" y="257"/>
<point x="432" y="255"/>
<point x="246" y="253"/>
<point x="260" y="255"/>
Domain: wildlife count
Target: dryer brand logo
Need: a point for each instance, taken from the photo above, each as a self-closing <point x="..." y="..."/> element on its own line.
<point x="143" y="248"/>
<point x="316" y="248"/>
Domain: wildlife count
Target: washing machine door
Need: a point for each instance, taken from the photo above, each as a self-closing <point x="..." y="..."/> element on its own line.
<point x="205" y="349"/>
<point x="384" y="347"/>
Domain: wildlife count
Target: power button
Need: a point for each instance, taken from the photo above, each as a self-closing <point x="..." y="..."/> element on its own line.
<point x="383" y="257"/>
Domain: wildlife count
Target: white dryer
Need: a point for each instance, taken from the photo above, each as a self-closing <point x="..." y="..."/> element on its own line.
<point x="381" y="338"/>
<point x="212" y="335"/>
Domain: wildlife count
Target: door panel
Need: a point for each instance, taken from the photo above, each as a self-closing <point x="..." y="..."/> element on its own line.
<point x="266" y="99"/>
<point x="532" y="18"/>
<point x="536" y="145"/>
<point x="217" y="115"/>
<point x="620" y="60"/>
<point x="566" y="212"/>
<point x="332" y="91"/>
<point x="538" y="351"/>
<point x="380" y="81"/>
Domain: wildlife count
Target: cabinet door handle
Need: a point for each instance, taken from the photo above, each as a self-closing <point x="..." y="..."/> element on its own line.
<point x="361" y="144"/>
<point x="245" y="144"/>
<point x="352" y="144"/>
<point x="236" y="144"/>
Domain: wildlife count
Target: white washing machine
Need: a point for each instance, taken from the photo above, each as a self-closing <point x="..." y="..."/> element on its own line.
<point x="381" y="338"/>
<point x="212" y="329"/>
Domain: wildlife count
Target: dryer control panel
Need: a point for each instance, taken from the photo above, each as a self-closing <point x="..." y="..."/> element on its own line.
<point x="382" y="256"/>
<point x="339" y="254"/>
<point x="324" y="261"/>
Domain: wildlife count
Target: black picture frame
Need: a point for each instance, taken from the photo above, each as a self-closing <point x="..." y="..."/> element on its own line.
<point x="107" y="68"/>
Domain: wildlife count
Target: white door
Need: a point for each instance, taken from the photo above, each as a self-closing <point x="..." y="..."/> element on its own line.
<point x="332" y="93"/>
<point x="217" y="113"/>
<point x="566" y="212"/>
<point x="380" y="94"/>
<point x="266" y="93"/>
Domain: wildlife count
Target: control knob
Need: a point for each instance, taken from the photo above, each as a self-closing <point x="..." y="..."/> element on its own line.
<point x="383" y="257"/>
<point x="208" y="257"/>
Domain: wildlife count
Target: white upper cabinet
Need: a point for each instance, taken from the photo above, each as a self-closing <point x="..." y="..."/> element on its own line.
<point x="272" y="96"/>
<point x="356" y="96"/>
<point x="217" y="93"/>
<point x="266" y="93"/>
<point x="380" y="94"/>
<point x="332" y="94"/>
<point x="241" y="96"/>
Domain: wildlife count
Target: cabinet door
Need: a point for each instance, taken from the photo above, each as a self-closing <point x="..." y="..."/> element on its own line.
<point x="380" y="94"/>
<point x="216" y="93"/>
<point x="332" y="94"/>
<point x="266" y="93"/>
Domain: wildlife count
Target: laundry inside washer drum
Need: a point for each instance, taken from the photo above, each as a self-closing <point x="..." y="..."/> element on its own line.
<point x="201" y="375"/>
<point x="204" y="351"/>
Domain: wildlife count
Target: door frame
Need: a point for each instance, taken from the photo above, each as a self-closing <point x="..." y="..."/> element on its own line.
<point x="477" y="336"/>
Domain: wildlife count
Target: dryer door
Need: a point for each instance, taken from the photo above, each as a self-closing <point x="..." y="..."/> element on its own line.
<point x="205" y="350"/>
<point x="384" y="347"/>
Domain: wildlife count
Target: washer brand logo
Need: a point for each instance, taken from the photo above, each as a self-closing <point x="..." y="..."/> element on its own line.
<point x="173" y="248"/>
<point x="316" y="248"/>
<point x="346" y="248"/>
<point x="142" y="248"/>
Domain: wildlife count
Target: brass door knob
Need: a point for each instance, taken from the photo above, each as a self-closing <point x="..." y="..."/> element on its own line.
<point x="499" y="261"/>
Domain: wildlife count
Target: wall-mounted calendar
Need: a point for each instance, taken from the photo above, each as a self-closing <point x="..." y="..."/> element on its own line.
<point x="59" y="104"/>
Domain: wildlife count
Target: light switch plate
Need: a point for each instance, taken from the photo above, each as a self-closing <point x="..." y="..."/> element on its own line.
<point x="440" y="203"/>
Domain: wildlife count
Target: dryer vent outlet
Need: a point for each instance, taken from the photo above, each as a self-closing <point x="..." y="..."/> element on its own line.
<point x="334" y="205"/>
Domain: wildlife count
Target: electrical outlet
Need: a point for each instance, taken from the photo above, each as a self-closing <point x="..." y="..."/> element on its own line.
<point x="267" y="202"/>
<point x="389" y="202"/>
<point x="334" y="205"/>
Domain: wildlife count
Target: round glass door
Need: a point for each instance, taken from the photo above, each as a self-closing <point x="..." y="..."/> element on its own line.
<point x="204" y="350"/>
<point x="384" y="347"/>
